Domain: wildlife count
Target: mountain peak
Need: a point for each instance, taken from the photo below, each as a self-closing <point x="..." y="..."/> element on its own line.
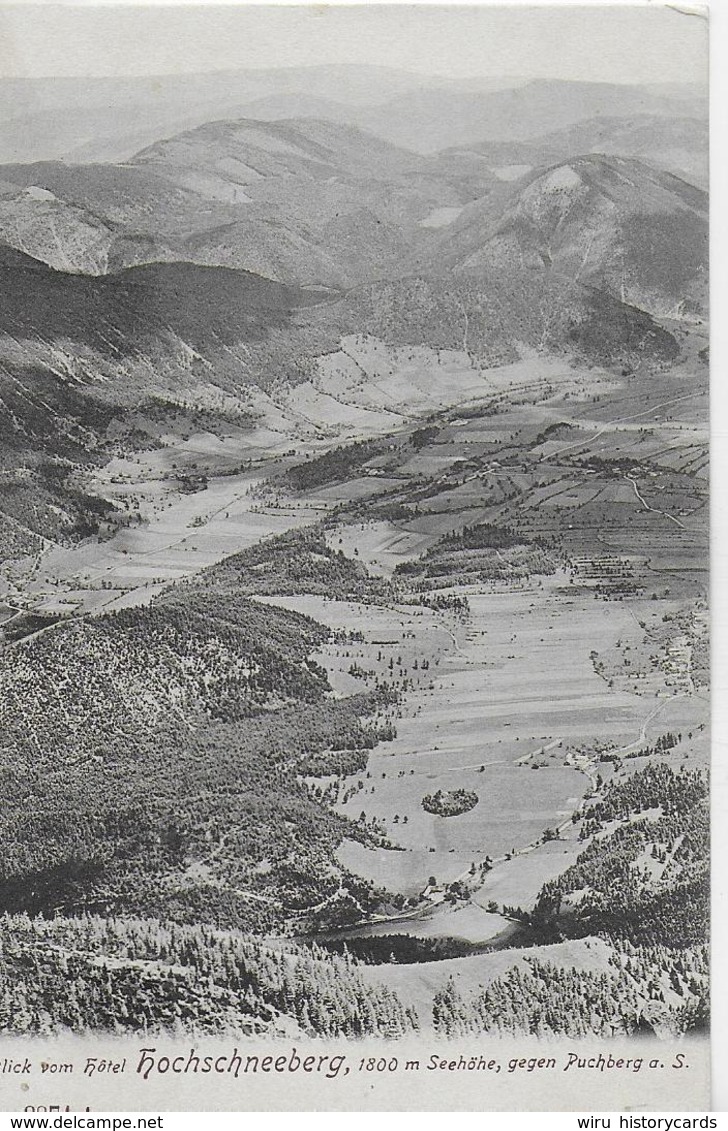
<point x="606" y="221"/>
<point x="258" y="148"/>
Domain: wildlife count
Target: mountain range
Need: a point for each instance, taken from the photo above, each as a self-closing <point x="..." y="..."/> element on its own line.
<point x="110" y="119"/>
<point x="313" y="202"/>
<point x="241" y="251"/>
<point x="676" y="144"/>
<point x="284" y="199"/>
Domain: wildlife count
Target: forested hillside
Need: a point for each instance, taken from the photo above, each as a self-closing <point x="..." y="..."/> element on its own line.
<point x="298" y="562"/>
<point x="645" y="880"/>
<point x="152" y="760"/>
<point x="480" y="553"/>
<point x="646" y="990"/>
<point x="140" y="976"/>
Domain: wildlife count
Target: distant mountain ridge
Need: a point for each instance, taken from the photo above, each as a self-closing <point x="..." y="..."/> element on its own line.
<point x="300" y="201"/>
<point x="430" y="120"/>
<point x="110" y="119"/>
<point x="677" y="145"/>
<point x="311" y="147"/>
<point x="94" y="119"/>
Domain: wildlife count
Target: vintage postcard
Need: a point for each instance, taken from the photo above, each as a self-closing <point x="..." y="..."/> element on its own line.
<point x="354" y="530"/>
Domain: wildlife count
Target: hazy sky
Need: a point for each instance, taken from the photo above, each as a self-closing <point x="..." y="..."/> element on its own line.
<point x="592" y="42"/>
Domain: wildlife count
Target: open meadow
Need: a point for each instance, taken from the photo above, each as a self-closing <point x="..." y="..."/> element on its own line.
<point x="495" y="703"/>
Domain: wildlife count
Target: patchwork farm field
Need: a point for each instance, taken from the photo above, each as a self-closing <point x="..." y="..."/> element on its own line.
<point x="172" y="532"/>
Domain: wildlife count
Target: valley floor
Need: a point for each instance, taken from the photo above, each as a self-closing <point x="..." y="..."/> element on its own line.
<point x="528" y="691"/>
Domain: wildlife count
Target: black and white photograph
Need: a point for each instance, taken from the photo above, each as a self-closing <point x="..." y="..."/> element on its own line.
<point x="354" y="515"/>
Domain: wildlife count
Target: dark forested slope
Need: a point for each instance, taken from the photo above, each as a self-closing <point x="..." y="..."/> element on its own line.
<point x="151" y="761"/>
